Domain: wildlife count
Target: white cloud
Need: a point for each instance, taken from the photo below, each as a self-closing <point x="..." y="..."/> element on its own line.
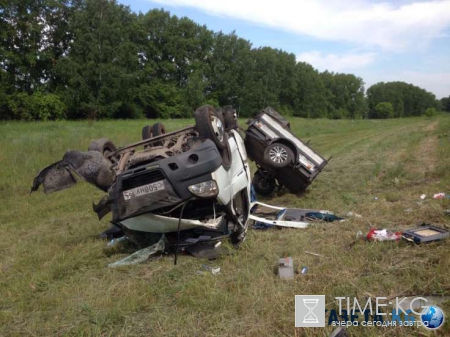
<point x="388" y="26"/>
<point x="337" y="63"/>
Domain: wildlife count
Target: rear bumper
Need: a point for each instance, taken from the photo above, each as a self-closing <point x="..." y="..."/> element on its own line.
<point x="257" y="141"/>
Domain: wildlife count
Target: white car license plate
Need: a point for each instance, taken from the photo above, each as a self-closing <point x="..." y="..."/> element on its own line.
<point x="144" y="189"/>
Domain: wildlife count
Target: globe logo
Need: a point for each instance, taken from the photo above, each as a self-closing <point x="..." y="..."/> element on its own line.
<point x="432" y="317"/>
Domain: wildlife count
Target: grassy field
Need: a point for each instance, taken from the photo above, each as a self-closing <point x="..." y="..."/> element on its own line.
<point x="53" y="275"/>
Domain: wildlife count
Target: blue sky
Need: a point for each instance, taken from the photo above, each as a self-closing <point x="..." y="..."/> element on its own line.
<point x="402" y="40"/>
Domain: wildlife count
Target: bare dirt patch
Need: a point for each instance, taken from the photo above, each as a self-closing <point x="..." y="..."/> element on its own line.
<point x="432" y="126"/>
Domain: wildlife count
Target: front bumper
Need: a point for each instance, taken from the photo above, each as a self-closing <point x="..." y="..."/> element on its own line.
<point x="153" y="223"/>
<point x="174" y="173"/>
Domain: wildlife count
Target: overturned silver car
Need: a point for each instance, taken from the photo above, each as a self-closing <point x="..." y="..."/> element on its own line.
<point x="192" y="181"/>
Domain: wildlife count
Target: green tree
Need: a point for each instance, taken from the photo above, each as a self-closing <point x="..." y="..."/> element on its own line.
<point x="399" y="108"/>
<point x="97" y="59"/>
<point x="415" y="100"/>
<point x="21" y="27"/>
<point x="100" y="70"/>
<point x="384" y="110"/>
<point x="430" y="112"/>
<point x="445" y="104"/>
<point x="174" y="54"/>
<point x="311" y="99"/>
<point x="346" y="94"/>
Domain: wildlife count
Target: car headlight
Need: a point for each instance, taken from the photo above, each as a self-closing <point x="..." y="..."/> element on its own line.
<point x="205" y="189"/>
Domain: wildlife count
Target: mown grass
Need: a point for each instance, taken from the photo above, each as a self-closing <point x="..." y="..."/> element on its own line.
<point x="53" y="274"/>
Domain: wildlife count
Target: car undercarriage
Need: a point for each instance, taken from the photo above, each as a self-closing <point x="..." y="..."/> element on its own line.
<point x="167" y="183"/>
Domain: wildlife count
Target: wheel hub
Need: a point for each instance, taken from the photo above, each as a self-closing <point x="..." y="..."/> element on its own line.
<point x="218" y="128"/>
<point x="278" y="154"/>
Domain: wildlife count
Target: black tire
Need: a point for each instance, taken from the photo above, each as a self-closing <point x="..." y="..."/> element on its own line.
<point x="229" y="117"/>
<point x="147" y="132"/>
<point x="210" y="126"/>
<point x="158" y="129"/>
<point x="262" y="184"/>
<point x="103" y="145"/>
<point x="278" y="155"/>
<point x="220" y="114"/>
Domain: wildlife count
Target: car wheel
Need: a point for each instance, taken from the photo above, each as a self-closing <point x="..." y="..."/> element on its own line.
<point x="263" y="185"/>
<point x="220" y="114"/>
<point x="147" y="132"/>
<point x="210" y="126"/>
<point x="158" y="129"/>
<point x="103" y="145"/>
<point x="278" y="155"/>
<point x="229" y="116"/>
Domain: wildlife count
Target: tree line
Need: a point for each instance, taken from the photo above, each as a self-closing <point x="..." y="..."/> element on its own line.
<point x="98" y="59"/>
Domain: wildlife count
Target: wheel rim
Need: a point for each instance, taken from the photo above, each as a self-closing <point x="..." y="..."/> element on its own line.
<point x="278" y="154"/>
<point x="218" y="128"/>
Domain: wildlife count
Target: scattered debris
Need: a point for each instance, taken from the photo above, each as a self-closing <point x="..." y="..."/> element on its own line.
<point x="408" y="210"/>
<point x="286" y="268"/>
<point x="351" y="214"/>
<point x="212" y="270"/>
<point x="423" y="196"/>
<point x="439" y="195"/>
<point x="359" y="235"/>
<point x="142" y="255"/>
<point x="425" y="233"/>
<point x="306" y="252"/>
<point x="207" y="251"/>
<point x="318" y="215"/>
<point x="447" y="212"/>
<point x="114" y="242"/>
<point x="304" y="270"/>
<point x="383" y="235"/>
<point x="287" y="217"/>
